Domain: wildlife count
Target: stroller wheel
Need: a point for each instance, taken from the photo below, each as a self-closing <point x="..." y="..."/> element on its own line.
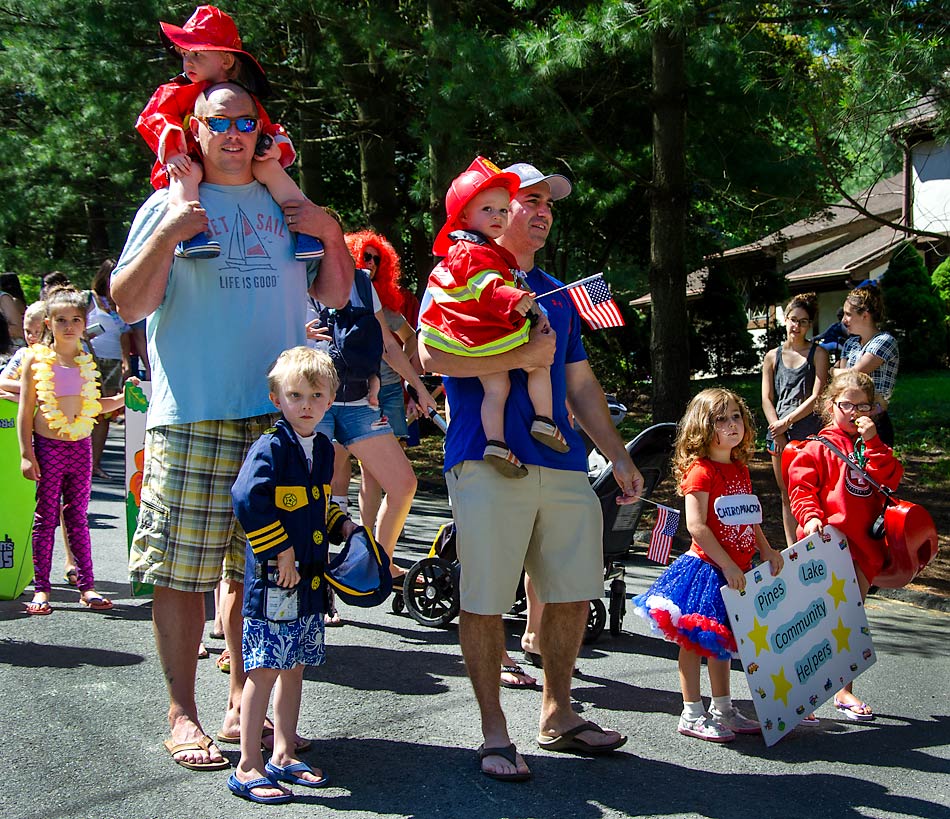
<point x="399" y="602"/>
<point x="431" y="591"/>
<point x="618" y="605"/>
<point x="596" y="620"/>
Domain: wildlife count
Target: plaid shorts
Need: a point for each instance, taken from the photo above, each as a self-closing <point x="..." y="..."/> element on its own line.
<point x="187" y="537"/>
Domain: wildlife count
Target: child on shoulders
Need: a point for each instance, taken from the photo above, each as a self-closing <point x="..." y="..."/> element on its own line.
<point x="211" y="53"/>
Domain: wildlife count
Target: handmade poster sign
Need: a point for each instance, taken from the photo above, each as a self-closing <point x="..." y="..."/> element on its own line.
<point x="802" y="635"/>
<point x="136" y="405"/>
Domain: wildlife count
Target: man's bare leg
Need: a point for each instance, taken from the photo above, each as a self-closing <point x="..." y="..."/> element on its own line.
<point x="178" y="620"/>
<point x="562" y="628"/>
<point x="232" y="599"/>
<point x="482" y="639"/>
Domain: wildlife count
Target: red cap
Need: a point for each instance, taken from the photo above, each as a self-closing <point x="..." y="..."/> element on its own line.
<point x="210" y="29"/>
<point x="479" y="176"/>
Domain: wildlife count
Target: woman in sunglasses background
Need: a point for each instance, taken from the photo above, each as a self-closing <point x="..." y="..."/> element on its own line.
<point x="793" y="376"/>
<point x="210" y="49"/>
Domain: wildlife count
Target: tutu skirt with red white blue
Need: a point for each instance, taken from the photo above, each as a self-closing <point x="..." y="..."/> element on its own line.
<point x="685" y="606"/>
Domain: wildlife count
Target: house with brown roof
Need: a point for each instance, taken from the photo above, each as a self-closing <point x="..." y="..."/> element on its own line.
<point x="852" y="240"/>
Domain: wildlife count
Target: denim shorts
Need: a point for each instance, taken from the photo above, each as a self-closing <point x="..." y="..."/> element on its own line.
<point x="351" y="423"/>
<point x="394" y="408"/>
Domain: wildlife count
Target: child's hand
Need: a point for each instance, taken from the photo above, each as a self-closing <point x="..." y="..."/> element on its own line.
<point x="287" y="574"/>
<point x="30" y="469"/>
<point x="813" y="525"/>
<point x="734" y="576"/>
<point x="866" y="427"/>
<point x="317" y="333"/>
<point x="272" y="152"/>
<point x="348" y="527"/>
<point x="178" y="165"/>
<point x="773" y="558"/>
<point x="778" y="427"/>
<point x="525" y="304"/>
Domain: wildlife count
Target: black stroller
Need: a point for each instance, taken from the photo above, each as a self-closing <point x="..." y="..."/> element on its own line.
<point x="431" y="586"/>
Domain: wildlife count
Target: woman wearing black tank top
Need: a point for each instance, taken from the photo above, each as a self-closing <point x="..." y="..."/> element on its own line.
<point x="793" y="376"/>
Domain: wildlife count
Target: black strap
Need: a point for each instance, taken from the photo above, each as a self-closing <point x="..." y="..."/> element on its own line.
<point x="887" y="493"/>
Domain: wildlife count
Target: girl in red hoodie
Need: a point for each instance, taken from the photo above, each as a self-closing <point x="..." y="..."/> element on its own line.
<point x="823" y="490"/>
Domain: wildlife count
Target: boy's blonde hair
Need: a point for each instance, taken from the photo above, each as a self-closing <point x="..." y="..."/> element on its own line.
<point x="696" y="428"/>
<point x="314" y="366"/>
<point x="34" y="311"/>
<point x="840" y="381"/>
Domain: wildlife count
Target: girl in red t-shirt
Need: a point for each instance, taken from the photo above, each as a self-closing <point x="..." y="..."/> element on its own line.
<point x="713" y="444"/>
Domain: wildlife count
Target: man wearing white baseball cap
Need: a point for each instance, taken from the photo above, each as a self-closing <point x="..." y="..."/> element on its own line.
<point x="549" y="522"/>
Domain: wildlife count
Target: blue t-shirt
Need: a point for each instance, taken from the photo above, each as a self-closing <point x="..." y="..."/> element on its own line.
<point x="465" y="439"/>
<point x="223" y="321"/>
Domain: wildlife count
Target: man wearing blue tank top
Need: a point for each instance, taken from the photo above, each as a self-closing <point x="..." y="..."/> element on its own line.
<point x="549" y="521"/>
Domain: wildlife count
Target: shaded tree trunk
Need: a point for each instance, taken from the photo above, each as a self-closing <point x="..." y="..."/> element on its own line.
<point x="669" y="342"/>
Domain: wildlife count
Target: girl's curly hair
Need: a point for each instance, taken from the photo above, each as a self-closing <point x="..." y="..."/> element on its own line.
<point x="696" y="429"/>
<point x="388" y="271"/>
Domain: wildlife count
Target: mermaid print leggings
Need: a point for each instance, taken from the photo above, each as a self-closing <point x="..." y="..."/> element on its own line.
<point x="65" y="472"/>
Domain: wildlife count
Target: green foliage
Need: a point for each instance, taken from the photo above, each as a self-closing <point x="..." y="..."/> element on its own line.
<point x="722" y="325"/>
<point x="914" y="310"/>
<point x="940" y="279"/>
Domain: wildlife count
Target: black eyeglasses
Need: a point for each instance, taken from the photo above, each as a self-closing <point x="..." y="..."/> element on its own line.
<point x="847" y="406"/>
<point x="370" y="257"/>
<point x="221" y="125"/>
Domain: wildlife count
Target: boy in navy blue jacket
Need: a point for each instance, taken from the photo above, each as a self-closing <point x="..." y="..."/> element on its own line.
<point x="282" y="499"/>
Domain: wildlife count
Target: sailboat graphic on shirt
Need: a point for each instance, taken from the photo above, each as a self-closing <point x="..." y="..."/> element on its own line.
<point x="246" y="249"/>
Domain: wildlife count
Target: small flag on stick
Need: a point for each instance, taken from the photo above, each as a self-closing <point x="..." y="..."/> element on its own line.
<point x="592" y="299"/>
<point x="661" y="541"/>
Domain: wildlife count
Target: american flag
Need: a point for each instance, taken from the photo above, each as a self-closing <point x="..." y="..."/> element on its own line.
<point x="592" y="300"/>
<point x="661" y="541"/>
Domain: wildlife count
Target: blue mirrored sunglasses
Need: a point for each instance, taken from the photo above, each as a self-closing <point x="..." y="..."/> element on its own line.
<point x="221" y="125"/>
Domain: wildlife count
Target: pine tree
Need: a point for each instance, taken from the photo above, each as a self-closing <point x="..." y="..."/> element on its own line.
<point x="913" y="310"/>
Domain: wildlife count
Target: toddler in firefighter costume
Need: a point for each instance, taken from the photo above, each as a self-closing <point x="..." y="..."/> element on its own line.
<point x="281" y="498"/>
<point x="210" y="48"/>
<point x="479" y="309"/>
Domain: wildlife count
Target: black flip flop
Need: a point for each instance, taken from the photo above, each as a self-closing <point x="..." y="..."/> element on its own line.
<point x="508" y="752"/>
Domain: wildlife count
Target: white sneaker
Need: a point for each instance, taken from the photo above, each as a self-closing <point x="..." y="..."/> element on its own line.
<point x="735" y="721"/>
<point x="707" y="728"/>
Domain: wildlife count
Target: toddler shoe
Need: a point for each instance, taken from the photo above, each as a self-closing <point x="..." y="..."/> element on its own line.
<point x="199" y="246"/>
<point x="545" y="431"/>
<point x="307" y="248"/>
<point x="498" y="455"/>
<point x="706" y="728"/>
<point x="735" y="721"/>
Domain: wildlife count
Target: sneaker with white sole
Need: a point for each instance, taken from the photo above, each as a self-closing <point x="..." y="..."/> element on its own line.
<point x="735" y="721"/>
<point x="705" y="728"/>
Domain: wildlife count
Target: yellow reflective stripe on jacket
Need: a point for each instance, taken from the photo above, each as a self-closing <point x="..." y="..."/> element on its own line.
<point x="432" y="337"/>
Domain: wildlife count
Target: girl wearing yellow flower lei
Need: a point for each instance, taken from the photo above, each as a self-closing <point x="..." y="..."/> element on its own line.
<point x="59" y="403"/>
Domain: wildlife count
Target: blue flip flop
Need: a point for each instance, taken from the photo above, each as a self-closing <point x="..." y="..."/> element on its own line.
<point x="243" y="789"/>
<point x="289" y="774"/>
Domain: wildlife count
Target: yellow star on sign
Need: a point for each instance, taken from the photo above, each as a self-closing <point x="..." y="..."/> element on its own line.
<point x="759" y="636"/>
<point x="842" y="634"/>
<point x="836" y="590"/>
<point x="782" y="686"/>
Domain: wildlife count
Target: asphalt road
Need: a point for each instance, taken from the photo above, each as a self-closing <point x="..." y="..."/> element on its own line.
<point x="395" y="723"/>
